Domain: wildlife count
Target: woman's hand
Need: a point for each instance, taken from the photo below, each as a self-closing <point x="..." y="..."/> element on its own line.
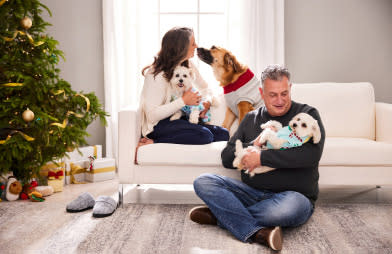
<point x="143" y="141"/>
<point x="207" y="106"/>
<point x="191" y="98"/>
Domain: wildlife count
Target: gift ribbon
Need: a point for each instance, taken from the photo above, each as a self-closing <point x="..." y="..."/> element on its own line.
<point x="25" y="136"/>
<point x="102" y="170"/>
<point x="95" y="152"/>
<point x="86" y="99"/>
<point x="65" y="122"/>
<point x="50" y="166"/>
<point x="63" y="125"/>
<point x="53" y="175"/>
<point x="28" y="36"/>
<point x="76" y="169"/>
<point x="12" y="84"/>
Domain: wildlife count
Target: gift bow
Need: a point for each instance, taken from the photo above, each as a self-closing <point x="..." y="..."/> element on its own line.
<point x="76" y="169"/>
<point x="55" y="175"/>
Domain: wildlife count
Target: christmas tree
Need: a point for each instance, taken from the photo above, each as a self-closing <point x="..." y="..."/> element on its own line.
<point x="41" y="117"/>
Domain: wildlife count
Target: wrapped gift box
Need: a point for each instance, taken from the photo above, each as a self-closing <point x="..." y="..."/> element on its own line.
<point x="75" y="171"/>
<point x="103" y="169"/>
<point x="56" y="176"/>
<point x="85" y="151"/>
<point x="51" y="166"/>
<point x="53" y="171"/>
<point x="56" y="184"/>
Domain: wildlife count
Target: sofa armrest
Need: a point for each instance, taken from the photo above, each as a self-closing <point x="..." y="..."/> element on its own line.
<point x="383" y="122"/>
<point x="129" y="131"/>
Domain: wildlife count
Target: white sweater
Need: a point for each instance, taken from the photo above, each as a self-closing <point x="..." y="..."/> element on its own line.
<point x="154" y="103"/>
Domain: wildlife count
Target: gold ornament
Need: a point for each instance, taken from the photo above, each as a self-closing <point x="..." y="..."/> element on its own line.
<point x="70" y="148"/>
<point x="26" y="23"/>
<point x="28" y="115"/>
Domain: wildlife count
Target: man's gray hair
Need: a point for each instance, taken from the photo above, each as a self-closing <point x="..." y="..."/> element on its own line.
<point x="274" y="72"/>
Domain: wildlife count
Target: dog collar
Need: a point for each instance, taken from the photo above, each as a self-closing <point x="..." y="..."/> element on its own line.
<point x="242" y="80"/>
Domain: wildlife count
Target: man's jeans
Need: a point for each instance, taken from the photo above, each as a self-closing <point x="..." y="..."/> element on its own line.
<point x="244" y="210"/>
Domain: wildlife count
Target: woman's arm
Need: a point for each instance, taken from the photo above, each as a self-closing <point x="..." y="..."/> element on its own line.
<point x="155" y="104"/>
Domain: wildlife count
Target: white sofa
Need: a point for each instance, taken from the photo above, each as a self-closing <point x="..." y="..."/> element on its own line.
<point x="357" y="151"/>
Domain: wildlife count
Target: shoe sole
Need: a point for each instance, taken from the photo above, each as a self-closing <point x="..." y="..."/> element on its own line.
<point x="275" y="239"/>
<point x="199" y="222"/>
<point x="102" y="215"/>
<point x="76" y="211"/>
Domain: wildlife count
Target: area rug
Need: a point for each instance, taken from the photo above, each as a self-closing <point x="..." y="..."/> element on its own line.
<point x="139" y="228"/>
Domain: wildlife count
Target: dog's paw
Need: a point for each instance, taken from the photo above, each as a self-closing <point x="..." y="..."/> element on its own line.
<point x="176" y="116"/>
<point x="194" y="116"/>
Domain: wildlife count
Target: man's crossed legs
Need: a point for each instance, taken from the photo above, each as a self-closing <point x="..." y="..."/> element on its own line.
<point x="251" y="215"/>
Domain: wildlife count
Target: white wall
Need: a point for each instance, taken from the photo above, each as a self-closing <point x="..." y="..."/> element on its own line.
<point x="342" y="41"/>
<point x="334" y="40"/>
<point x="77" y="25"/>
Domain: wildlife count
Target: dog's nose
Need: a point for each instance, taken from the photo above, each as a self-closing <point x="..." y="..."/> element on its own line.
<point x="181" y="80"/>
<point x="294" y="125"/>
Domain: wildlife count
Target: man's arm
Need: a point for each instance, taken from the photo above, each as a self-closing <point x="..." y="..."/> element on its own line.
<point x="227" y="154"/>
<point x="307" y="155"/>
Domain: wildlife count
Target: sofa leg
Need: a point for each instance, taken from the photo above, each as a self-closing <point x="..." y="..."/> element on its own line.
<point x="121" y="195"/>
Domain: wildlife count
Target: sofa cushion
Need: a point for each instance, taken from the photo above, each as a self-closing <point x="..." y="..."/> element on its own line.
<point x="337" y="152"/>
<point x="187" y="155"/>
<point x="346" y="109"/>
<point x="356" y="152"/>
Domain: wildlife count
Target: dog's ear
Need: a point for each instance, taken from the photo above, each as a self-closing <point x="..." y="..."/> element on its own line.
<point x="316" y="132"/>
<point x="192" y="74"/>
<point x="231" y="60"/>
<point x="227" y="60"/>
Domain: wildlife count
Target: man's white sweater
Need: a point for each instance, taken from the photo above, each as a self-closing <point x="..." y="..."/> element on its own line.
<point x="155" y="104"/>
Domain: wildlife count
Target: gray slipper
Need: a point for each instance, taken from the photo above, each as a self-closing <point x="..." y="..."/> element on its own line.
<point x="84" y="202"/>
<point x="104" y="206"/>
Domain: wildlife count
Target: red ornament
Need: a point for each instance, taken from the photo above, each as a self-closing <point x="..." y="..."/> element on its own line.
<point x="34" y="183"/>
<point x="24" y="196"/>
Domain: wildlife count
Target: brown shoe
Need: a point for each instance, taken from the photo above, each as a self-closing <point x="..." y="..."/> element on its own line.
<point x="271" y="237"/>
<point x="202" y="215"/>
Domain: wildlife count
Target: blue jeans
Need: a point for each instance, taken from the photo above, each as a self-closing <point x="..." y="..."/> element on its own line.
<point x="244" y="210"/>
<point x="182" y="131"/>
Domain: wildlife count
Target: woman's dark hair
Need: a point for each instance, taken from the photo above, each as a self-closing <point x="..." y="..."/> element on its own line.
<point x="175" y="45"/>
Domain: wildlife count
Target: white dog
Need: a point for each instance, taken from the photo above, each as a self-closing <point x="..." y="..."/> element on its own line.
<point x="301" y="128"/>
<point x="181" y="81"/>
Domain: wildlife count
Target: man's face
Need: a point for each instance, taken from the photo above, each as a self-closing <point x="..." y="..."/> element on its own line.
<point x="277" y="96"/>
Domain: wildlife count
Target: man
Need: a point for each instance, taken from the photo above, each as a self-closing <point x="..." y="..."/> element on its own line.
<point x="255" y="209"/>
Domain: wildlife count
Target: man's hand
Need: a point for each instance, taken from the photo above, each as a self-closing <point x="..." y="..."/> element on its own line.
<point x="251" y="160"/>
<point x="257" y="142"/>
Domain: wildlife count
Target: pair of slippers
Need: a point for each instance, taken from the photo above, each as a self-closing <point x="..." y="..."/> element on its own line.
<point x="103" y="206"/>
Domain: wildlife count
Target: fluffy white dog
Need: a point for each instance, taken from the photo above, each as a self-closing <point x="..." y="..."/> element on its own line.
<point x="181" y="81"/>
<point x="300" y="129"/>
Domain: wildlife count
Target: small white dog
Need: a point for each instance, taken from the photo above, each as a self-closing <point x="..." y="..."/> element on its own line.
<point x="300" y="129"/>
<point x="181" y="81"/>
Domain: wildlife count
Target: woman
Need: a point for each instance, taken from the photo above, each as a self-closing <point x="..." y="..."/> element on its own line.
<point x="178" y="46"/>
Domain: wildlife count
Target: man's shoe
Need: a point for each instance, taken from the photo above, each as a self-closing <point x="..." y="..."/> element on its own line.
<point x="202" y="215"/>
<point x="271" y="237"/>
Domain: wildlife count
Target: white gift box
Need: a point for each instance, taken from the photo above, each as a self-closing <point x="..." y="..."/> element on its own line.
<point x="86" y="152"/>
<point x="103" y="169"/>
<point x="78" y="168"/>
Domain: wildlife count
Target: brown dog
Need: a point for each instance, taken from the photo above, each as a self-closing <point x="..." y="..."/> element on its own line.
<point x="240" y="86"/>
